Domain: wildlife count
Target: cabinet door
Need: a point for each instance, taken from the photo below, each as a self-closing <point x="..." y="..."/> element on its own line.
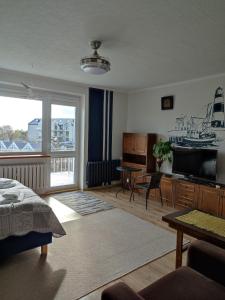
<point x="128" y="143"/>
<point x="167" y="190"/>
<point x="209" y="200"/>
<point x="185" y="194"/>
<point x="140" y="144"/>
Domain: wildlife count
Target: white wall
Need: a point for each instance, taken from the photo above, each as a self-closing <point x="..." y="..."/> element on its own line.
<point x="119" y="123"/>
<point x="50" y="84"/>
<point x="145" y="114"/>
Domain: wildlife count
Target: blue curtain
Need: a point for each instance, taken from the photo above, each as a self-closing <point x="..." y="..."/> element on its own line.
<point x="100" y="168"/>
<point x="95" y="134"/>
<point x="100" y="125"/>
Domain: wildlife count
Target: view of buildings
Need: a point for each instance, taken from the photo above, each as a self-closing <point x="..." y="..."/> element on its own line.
<point x="62" y="136"/>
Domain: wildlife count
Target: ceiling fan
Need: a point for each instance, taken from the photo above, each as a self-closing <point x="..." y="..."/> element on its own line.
<point x="95" y="64"/>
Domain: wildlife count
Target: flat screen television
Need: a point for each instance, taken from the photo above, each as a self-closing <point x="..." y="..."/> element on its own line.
<point x="200" y="163"/>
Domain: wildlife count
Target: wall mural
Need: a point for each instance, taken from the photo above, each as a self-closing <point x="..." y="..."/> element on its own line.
<point x="201" y="131"/>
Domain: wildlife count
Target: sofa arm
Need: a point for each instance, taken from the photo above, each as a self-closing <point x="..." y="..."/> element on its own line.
<point x="120" y="291"/>
<point x="207" y="259"/>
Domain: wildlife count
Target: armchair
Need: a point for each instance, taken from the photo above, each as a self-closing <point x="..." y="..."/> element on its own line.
<point x="202" y="279"/>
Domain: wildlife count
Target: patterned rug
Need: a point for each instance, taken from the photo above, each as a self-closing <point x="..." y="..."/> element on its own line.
<point x="83" y="203"/>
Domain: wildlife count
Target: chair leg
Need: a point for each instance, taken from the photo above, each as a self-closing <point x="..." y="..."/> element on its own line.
<point x="146" y="199"/>
<point x="131" y="194"/>
<point x="160" y="193"/>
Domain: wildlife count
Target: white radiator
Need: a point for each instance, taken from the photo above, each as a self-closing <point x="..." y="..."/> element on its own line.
<point x="31" y="175"/>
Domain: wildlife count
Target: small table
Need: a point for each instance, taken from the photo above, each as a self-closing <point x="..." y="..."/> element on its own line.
<point x="191" y="230"/>
<point x="126" y="178"/>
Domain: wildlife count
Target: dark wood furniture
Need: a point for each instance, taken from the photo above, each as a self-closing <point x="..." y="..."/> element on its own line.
<point x="148" y="182"/>
<point x="137" y="151"/>
<point x="191" y="230"/>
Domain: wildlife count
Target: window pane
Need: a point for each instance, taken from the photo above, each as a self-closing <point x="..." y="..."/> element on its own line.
<point x="62" y="171"/>
<point x="63" y="128"/>
<point x="20" y="125"/>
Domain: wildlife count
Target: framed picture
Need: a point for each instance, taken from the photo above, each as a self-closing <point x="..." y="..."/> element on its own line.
<point x="167" y="102"/>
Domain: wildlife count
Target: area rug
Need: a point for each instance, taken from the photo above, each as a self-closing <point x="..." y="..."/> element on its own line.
<point x="83" y="203"/>
<point x="96" y="250"/>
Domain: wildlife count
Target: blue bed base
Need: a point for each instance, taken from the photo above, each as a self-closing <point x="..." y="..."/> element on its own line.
<point x="16" y="244"/>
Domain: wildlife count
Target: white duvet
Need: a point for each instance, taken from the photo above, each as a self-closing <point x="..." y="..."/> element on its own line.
<point x="31" y="213"/>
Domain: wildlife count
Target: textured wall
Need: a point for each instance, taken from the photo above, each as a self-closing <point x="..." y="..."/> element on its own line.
<point x="191" y="98"/>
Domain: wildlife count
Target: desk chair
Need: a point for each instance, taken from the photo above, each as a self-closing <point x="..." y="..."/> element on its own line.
<point x="147" y="186"/>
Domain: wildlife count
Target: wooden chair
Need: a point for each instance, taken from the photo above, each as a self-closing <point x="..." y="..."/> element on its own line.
<point x="147" y="186"/>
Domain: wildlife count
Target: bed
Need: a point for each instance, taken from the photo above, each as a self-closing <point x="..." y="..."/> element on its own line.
<point x="26" y="224"/>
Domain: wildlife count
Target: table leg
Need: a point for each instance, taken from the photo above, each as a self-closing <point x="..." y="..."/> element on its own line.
<point x="122" y="184"/>
<point x="179" y="248"/>
<point x="131" y="186"/>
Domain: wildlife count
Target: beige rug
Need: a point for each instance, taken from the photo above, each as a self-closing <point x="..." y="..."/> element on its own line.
<point x="97" y="249"/>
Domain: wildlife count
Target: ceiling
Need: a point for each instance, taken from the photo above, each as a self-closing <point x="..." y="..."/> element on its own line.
<point x="149" y="42"/>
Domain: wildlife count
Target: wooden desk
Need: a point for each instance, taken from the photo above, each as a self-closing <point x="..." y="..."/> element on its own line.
<point x="191" y="230"/>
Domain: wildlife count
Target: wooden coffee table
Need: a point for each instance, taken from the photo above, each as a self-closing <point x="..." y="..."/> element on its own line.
<point x="196" y="232"/>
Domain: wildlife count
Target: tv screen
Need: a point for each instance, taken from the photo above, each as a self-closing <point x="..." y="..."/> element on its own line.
<point x="195" y="162"/>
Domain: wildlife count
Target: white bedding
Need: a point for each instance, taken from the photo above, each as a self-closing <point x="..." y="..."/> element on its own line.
<point x="31" y="213"/>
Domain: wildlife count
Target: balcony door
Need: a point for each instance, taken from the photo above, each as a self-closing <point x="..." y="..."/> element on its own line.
<point x="64" y="141"/>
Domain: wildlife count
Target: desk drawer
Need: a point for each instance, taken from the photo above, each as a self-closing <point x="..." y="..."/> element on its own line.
<point x="185" y="194"/>
<point x="185" y="187"/>
<point x="184" y="202"/>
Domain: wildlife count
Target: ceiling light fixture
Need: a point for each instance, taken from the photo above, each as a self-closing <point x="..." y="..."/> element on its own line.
<point x="95" y="64"/>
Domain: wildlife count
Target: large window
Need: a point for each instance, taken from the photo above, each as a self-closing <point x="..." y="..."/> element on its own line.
<point x="20" y="125"/>
<point x="49" y="126"/>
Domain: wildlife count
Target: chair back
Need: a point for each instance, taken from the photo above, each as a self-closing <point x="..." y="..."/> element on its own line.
<point x="155" y="181"/>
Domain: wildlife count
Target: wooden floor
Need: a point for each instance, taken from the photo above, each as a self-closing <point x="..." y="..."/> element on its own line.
<point x="150" y="272"/>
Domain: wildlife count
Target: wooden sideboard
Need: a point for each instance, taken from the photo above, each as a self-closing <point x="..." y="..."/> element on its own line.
<point x="188" y="194"/>
<point x="137" y="151"/>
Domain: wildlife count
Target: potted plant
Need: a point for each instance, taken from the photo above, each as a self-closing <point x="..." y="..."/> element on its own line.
<point x="162" y="151"/>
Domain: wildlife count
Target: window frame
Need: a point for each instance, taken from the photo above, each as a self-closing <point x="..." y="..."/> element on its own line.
<point x="23" y="153"/>
<point x="74" y="153"/>
<point x="48" y="97"/>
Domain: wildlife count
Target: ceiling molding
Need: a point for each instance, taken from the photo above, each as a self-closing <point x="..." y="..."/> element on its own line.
<point x="15" y="78"/>
<point x="136" y="91"/>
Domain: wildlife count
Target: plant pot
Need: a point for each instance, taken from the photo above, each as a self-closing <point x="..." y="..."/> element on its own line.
<point x="159" y="163"/>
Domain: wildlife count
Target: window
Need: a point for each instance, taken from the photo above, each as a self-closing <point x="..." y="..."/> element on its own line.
<point x="63" y="116"/>
<point x="20" y="125"/>
<point x="49" y="125"/>
<point x="63" y="145"/>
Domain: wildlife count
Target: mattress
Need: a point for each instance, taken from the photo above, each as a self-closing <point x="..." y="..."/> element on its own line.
<point x="30" y="214"/>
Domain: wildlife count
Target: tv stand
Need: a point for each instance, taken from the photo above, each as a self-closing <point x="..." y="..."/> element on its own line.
<point x="208" y="196"/>
<point x="200" y="181"/>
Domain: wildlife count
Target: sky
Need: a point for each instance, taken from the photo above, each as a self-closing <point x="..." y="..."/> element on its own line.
<point x="19" y="112"/>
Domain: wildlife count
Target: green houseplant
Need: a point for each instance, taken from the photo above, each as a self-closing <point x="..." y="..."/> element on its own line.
<point x="162" y="151"/>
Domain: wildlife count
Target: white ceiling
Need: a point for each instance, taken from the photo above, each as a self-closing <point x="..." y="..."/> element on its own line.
<point x="149" y="42"/>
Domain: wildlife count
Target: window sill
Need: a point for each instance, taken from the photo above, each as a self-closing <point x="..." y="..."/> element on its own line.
<point x="24" y="156"/>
